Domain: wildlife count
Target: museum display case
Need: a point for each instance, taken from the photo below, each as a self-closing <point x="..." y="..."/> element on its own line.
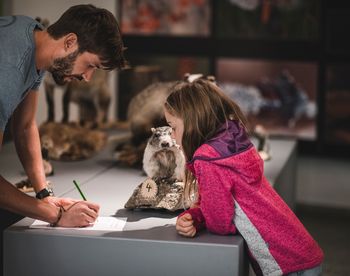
<point x="287" y="50"/>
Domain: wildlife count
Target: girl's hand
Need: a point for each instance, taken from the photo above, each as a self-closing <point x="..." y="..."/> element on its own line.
<point x="184" y="226"/>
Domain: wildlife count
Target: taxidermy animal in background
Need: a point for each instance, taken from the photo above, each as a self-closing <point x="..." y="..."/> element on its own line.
<point x="146" y="108"/>
<point x="162" y="158"/>
<point x="26" y="186"/>
<point x="145" y="111"/>
<point x="70" y="142"/>
<point x="93" y="99"/>
<point x="281" y="95"/>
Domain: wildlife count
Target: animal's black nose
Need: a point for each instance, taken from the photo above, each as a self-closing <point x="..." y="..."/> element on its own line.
<point x="164" y="144"/>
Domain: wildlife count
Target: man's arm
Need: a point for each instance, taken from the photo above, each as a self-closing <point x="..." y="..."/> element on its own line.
<point x="15" y="201"/>
<point x="78" y="214"/>
<point x="26" y="138"/>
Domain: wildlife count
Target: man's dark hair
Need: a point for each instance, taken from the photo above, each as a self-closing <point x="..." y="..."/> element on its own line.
<point x="97" y="31"/>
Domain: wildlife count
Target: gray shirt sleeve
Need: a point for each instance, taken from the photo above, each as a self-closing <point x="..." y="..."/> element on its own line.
<point x="38" y="81"/>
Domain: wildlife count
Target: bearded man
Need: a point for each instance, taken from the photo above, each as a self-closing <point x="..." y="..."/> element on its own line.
<point x="83" y="39"/>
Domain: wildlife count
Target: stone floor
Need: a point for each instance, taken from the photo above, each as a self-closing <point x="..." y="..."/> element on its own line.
<point x="331" y="229"/>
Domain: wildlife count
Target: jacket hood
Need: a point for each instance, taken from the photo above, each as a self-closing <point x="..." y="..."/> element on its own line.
<point x="230" y="139"/>
<point x="231" y="147"/>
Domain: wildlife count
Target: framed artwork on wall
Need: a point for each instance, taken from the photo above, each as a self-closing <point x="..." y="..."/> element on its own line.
<point x="165" y="17"/>
<point x="268" y="19"/>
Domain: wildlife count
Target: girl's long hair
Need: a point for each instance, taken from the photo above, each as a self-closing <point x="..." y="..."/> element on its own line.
<point x="203" y="107"/>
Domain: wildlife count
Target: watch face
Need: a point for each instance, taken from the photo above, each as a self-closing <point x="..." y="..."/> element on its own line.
<point x="50" y="191"/>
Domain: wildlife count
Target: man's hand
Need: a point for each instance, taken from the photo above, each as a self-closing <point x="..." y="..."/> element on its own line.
<point x="57" y="201"/>
<point x="184" y="226"/>
<point x="80" y="214"/>
<point x="77" y="213"/>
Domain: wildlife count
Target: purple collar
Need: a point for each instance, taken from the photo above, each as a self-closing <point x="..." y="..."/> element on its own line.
<point x="230" y="139"/>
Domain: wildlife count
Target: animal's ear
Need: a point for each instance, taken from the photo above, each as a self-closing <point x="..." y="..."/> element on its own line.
<point x="153" y="130"/>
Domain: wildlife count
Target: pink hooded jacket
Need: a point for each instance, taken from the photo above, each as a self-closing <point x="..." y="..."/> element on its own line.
<point x="235" y="197"/>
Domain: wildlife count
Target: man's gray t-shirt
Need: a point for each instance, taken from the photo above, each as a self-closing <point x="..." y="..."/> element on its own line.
<point x="18" y="73"/>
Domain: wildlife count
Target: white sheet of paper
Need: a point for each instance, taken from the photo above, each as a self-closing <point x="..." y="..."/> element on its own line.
<point x="101" y="224"/>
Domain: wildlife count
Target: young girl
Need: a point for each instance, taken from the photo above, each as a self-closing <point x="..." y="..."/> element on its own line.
<point x="233" y="194"/>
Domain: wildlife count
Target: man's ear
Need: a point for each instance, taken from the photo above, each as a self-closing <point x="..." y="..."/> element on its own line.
<point x="70" y="42"/>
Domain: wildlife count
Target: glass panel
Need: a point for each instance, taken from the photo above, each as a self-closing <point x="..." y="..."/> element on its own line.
<point x="337" y="38"/>
<point x="166" y="17"/>
<point x="150" y="69"/>
<point x="269" y="19"/>
<point x="279" y="95"/>
<point x="337" y="104"/>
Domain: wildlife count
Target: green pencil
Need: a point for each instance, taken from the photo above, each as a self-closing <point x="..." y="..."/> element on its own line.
<point x="81" y="193"/>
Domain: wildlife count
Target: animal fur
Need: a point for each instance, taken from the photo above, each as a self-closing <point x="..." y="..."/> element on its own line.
<point x="70" y="141"/>
<point x="162" y="158"/>
<point x="93" y="99"/>
<point x="26" y="186"/>
<point x="145" y="110"/>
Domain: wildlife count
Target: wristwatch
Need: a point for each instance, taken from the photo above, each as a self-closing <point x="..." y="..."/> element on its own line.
<point x="44" y="193"/>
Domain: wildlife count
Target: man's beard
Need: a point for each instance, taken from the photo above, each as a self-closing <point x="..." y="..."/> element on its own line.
<point x="63" y="67"/>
